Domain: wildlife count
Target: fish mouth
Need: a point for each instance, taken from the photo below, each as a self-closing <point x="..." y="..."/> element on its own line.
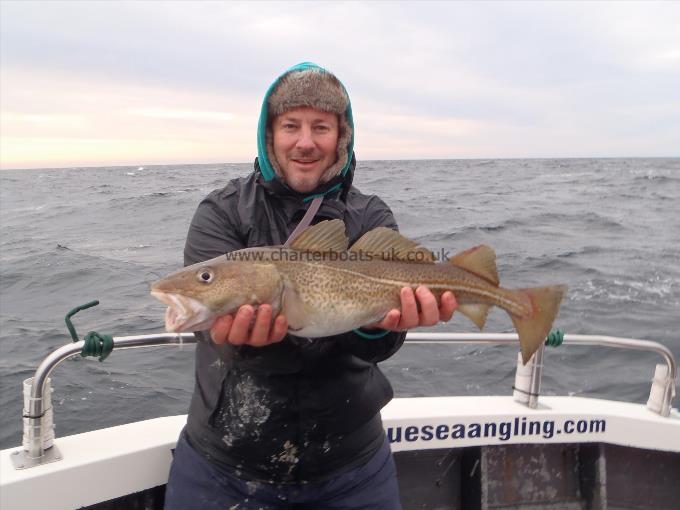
<point x="184" y="313"/>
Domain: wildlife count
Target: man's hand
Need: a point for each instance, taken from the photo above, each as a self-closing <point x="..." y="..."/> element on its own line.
<point x="239" y="328"/>
<point x="429" y="315"/>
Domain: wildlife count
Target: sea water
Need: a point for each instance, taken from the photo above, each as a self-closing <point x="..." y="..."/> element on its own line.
<point x="609" y="228"/>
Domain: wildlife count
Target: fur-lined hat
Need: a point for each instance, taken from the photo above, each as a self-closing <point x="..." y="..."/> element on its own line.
<point x="311" y="86"/>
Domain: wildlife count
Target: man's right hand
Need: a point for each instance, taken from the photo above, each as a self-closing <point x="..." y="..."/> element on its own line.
<point x="239" y="328"/>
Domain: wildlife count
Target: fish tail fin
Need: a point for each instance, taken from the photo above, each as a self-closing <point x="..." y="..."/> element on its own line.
<point x="534" y="327"/>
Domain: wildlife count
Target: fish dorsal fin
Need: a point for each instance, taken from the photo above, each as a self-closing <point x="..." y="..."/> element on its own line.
<point x="326" y="236"/>
<point x="387" y="244"/>
<point x="480" y="260"/>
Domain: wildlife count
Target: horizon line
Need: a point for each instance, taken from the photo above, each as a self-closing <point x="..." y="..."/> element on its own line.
<point x="508" y="158"/>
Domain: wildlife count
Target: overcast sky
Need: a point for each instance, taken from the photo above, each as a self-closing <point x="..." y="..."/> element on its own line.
<point x="131" y="82"/>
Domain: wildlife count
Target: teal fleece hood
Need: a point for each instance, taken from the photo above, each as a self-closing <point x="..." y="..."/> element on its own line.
<point x="263" y="159"/>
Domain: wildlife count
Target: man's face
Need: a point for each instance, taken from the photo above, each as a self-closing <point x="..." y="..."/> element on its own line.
<point x="305" y="145"/>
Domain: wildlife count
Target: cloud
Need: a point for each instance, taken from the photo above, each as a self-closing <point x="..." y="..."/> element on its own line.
<point x="84" y="121"/>
<point x="167" y="113"/>
<point x="456" y="79"/>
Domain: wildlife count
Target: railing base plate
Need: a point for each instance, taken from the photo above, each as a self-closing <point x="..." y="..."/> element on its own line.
<point x="21" y="460"/>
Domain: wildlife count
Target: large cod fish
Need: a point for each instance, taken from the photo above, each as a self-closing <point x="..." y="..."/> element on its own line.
<point x="325" y="289"/>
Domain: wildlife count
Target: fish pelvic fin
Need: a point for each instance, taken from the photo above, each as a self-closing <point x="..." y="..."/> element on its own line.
<point x="480" y="260"/>
<point x="534" y="328"/>
<point x="386" y="244"/>
<point x="475" y="312"/>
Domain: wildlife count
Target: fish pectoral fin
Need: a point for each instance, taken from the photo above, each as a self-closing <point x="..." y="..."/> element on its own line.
<point x="326" y="236"/>
<point x="294" y="308"/>
<point x="480" y="260"/>
<point x="387" y="244"/>
<point x="475" y="312"/>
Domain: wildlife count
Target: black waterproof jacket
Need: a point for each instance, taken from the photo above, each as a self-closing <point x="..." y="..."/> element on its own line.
<point x="302" y="409"/>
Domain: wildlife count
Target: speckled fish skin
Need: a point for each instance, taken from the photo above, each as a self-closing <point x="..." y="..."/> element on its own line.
<point x="339" y="296"/>
<point x="323" y="294"/>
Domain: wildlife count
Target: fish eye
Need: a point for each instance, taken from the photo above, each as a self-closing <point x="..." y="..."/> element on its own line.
<point x="205" y="276"/>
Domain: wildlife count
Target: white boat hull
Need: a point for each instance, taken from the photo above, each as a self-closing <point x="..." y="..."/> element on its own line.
<point x="110" y="463"/>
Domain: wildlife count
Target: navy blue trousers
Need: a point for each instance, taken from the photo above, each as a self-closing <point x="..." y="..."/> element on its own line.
<point x="196" y="483"/>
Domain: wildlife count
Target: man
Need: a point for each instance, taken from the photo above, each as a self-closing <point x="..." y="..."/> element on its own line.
<point x="278" y="421"/>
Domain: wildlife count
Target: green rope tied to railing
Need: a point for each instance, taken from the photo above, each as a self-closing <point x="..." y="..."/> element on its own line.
<point x="555" y="338"/>
<point x="96" y="344"/>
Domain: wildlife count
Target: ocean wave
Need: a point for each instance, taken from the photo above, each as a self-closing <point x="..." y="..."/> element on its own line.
<point x="560" y="266"/>
<point x="558" y="220"/>
<point x="483" y="162"/>
<point x="488" y="227"/>
<point x="658" y="178"/>
<point x="156" y="194"/>
<point x="31" y="208"/>
<point x="588" y="219"/>
<point x="585" y="250"/>
<point x="659" y="196"/>
<point x="651" y="290"/>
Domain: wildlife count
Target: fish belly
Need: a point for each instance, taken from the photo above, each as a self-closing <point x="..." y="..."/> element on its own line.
<point x="320" y="301"/>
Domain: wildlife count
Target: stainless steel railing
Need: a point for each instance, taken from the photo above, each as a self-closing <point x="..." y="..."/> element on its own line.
<point x="665" y="383"/>
<point x="34" y="453"/>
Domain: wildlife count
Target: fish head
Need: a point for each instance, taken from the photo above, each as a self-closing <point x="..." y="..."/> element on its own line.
<point x="198" y="294"/>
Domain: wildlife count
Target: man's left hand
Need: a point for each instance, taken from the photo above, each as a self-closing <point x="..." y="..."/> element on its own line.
<point x="430" y="312"/>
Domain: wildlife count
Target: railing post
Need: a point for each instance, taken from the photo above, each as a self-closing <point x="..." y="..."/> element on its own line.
<point x="527" y="385"/>
<point x="536" y="376"/>
<point x="662" y="391"/>
<point x="37" y="449"/>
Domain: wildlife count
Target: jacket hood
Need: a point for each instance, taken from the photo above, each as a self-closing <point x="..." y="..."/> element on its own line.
<point x="297" y="94"/>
